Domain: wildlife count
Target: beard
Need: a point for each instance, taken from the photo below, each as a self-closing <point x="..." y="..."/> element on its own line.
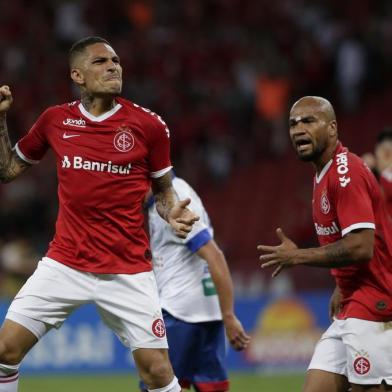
<point x="312" y="155"/>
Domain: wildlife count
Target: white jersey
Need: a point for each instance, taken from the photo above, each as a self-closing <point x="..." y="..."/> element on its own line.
<point x="186" y="289"/>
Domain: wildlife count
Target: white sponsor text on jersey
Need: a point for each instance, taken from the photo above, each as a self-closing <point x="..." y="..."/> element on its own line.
<point x="78" y="163"/>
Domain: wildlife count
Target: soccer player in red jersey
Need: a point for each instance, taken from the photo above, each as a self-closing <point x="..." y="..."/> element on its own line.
<point x="108" y="152"/>
<point x="354" y="233"/>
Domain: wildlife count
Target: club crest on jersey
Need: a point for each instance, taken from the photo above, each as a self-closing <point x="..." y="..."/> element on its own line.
<point x="324" y="203"/>
<point x="123" y="140"/>
<point x="158" y="328"/>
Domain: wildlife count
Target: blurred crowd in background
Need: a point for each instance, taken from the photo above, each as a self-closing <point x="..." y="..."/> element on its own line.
<point x="223" y="74"/>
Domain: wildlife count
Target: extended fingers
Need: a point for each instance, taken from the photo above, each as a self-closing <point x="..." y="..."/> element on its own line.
<point x="188" y="221"/>
<point x="266" y="248"/>
<point x="184" y="203"/>
<point x="270" y="263"/>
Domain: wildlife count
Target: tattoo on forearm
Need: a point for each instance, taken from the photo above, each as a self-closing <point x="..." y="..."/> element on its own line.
<point x="10" y="164"/>
<point x="164" y="195"/>
<point x="337" y="252"/>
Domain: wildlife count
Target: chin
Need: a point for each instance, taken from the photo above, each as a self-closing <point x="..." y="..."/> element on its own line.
<point x="306" y="157"/>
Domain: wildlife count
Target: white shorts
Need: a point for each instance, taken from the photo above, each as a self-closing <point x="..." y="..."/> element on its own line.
<point x="127" y="303"/>
<point x="359" y="349"/>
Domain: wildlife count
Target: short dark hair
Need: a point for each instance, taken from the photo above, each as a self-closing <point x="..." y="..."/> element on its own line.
<point x="79" y="46"/>
<point x="385" y="135"/>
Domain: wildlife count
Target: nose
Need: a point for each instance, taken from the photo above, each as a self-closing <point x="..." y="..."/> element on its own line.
<point x="297" y="129"/>
<point x="112" y="66"/>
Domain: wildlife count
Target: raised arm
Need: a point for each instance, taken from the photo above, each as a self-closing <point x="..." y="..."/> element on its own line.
<point x="11" y="166"/>
<point x="172" y="210"/>
<point x="220" y="275"/>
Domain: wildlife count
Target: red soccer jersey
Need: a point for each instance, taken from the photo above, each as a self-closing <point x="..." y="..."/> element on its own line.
<point x="386" y="187"/>
<point x="347" y="197"/>
<point x="104" y="165"/>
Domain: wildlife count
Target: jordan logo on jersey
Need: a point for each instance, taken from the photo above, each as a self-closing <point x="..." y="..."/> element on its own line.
<point x="80" y="123"/>
<point x="83" y="164"/>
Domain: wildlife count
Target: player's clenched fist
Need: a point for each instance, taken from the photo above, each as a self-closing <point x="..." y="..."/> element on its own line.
<point x="5" y="99"/>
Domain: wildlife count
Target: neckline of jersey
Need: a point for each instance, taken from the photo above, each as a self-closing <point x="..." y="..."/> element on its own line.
<point x="323" y="171"/>
<point x="101" y="117"/>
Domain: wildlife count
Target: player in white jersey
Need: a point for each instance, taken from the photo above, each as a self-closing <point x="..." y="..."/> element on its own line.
<point x="195" y="291"/>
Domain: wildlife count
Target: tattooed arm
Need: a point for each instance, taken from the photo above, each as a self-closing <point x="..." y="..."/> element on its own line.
<point x="11" y="166"/>
<point x="172" y="210"/>
<point x="355" y="247"/>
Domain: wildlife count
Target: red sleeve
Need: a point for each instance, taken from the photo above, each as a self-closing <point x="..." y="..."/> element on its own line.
<point x="159" y="154"/>
<point x="353" y="201"/>
<point x="32" y="147"/>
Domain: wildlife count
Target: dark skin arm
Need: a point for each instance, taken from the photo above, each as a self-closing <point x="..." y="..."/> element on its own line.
<point x="355" y="247"/>
<point x="11" y="166"/>
<point x="220" y="275"/>
<point x="172" y="210"/>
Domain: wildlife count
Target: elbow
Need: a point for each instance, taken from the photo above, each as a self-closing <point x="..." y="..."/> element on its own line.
<point x="364" y="255"/>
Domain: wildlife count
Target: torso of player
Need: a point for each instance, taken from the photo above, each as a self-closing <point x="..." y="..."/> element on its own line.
<point x="338" y="209"/>
<point x="103" y="168"/>
<point x="97" y="160"/>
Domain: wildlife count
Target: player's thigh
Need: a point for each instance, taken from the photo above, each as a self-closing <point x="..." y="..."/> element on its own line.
<point x="369" y="354"/>
<point x="129" y="305"/>
<point x="52" y="293"/>
<point x="371" y="388"/>
<point x="15" y="342"/>
<point x="323" y="381"/>
<point x="327" y="368"/>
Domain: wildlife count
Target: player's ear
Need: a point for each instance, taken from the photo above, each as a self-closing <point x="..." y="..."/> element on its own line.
<point x="77" y="76"/>
<point x="333" y="128"/>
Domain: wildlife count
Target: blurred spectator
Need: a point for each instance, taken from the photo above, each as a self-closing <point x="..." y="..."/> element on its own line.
<point x="350" y="72"/>
<point x="17" y="262"/>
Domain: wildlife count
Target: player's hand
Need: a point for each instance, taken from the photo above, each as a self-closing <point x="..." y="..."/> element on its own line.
<point x="5" y="99"/>
<point x="334" y="303"/>
<point x="280" y="256"/>
<point x="235" y="333"/>
<point x="181" y="218"/>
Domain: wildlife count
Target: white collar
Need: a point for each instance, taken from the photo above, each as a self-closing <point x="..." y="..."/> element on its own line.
<point x="101" y="117"/>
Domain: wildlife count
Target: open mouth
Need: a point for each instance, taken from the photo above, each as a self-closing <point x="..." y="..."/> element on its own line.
<point x="302" y="143"/>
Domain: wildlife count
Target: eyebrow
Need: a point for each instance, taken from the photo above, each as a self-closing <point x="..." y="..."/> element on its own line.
<point x="105" y="57"/>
